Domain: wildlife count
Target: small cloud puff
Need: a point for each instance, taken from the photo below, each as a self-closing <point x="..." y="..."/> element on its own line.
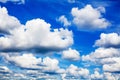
<point x="71" y="54"/>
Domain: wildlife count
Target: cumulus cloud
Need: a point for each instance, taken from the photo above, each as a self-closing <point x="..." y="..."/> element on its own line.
<point x="108" y="40"/>
<point x="74" y="72"/>
<point x="109" y="76"/>
<point x="7" y="22"/>
<point x="30" y="61"/>
<point x="14" y="1"/>
<point x="101" y="53"/>
<point x="71" y="54"/>
<point x="25" y="60"/>
<point x="64" y="21"/>
<point x="107" y="55"/>
<point x="112" y="67"/>
<point x="89" y="18"/>
<point x="96" y="75"/>
<point x="36" y="33"/>
<point x="51" y="65"/>
<point x="109" y="58"/>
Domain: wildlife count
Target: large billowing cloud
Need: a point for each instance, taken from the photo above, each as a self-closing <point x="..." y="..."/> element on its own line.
<point x="36" y="34"/>
<point x="89" y="18"/>
<point x="108" y="40"/>
<point x="71" y="54"/>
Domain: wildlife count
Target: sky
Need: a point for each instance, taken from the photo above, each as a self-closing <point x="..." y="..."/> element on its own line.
<point x="59" y="39"/>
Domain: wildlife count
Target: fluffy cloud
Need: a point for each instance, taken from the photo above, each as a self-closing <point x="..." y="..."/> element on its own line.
<point x="114" y="66"/>
<point x="36" y="33"/>
<point x="64" y="21"/>
<point x="74" y="72"/>
<point x="108" y="40"/>
<point x="96" y="76"/>
<point x="25" y="60"/>
<point x="71" y="54"/>
<point x="31" y="62"/>
<point x="51" y="65"/>
<point x="108" y="55"/>
<point x="109" y="58"/>
<point x="109" y="76"/>
<point x="91" y="16"/>
<point x="102" y="53"/>
<point x="15" y="1"/>
<point x="7" y="22"/>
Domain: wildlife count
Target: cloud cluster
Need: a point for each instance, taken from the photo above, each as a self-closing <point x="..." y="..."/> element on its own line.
<point x="29" y="61"/>
<point x="36" y="33"/>
<point x="107" y="55"/>
<point x="89" y="18"/>
<point x="37" y="36"/>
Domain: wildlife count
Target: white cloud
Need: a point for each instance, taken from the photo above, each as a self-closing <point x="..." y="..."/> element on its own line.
<point x="96" y="75"/>
<point x="112" y="67"/>
<point x="64" y="21"/>
<point x="51" y="65"/>
<point x="108" y="55"/>
<point x="109" y="76"/>
<point x="37" y="34"/>
<point x="15" y="1"/>
<point x="109" y="58"/>
<point x="7" y="22"/>
<point x="102" y="53"/>
<point x="25" y="60"/>
<point x="4" y="69"/>
<point x="89" y="18"/>
<point x="108" y="40"/>
<point x="30" y="61"/>
<point x="74" y="71"/>
<point x="71" y="54"/>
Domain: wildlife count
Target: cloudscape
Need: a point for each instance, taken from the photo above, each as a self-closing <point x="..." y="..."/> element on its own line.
<point x="59" y="40"/>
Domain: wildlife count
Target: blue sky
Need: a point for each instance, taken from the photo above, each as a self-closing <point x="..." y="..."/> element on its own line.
<point x="60" y="40"/>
